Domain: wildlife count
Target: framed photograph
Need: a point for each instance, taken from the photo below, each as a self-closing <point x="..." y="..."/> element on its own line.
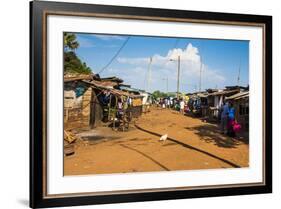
<point x="139" y="104"/>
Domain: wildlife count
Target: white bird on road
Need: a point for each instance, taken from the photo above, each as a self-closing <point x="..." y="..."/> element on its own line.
<point x="164" y="137"/>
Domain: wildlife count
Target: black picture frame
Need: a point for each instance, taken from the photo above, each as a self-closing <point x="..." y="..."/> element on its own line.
<point x="38" y="12"/>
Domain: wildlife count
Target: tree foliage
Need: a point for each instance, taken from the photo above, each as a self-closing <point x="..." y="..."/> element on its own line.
<point x="72" y="63"/>
<point x="70" y="42"/>
<point x="159" y="94"/>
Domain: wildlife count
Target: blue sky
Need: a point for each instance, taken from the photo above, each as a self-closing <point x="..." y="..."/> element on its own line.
<point x="219" y="61"/>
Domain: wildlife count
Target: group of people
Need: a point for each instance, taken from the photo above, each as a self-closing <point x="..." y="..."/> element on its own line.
<point x="166" y="103"/>
<point x="229" y="125"/>
<point x="177" y="104"/>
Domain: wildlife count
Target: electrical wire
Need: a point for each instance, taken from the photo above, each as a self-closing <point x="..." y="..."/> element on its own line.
<point x="114" y="57"/>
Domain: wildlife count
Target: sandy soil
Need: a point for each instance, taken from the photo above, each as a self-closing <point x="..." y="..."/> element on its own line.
<point x="192" y="144"/>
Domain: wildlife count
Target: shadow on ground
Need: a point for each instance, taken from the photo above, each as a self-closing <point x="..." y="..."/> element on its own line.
<point x="192" y="148"/>
<point x="94" y="139"/>
<point x="210" y="133"/>
<point x="146" y="156"/>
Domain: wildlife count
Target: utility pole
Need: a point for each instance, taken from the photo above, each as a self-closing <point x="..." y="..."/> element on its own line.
<point x="178" y="77"/>
<point x="149" y="75"/>
<point x="200" y="79"/>
<point x="238" y="78"/>
<point x="178" y="81"/>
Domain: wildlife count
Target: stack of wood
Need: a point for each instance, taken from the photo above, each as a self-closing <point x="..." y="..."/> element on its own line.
<point x="69" y="139"/>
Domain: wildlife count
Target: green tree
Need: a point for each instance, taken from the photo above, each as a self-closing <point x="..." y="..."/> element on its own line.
<point x="72" y="63"/>
<point x="158" y="94"/>
<point x="70" y="42"/>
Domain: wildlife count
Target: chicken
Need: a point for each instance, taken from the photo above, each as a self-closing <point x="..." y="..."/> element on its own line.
<point x="164" y="137"/>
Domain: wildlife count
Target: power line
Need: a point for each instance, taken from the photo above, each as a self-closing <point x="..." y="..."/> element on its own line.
<point x="117" y="53"/>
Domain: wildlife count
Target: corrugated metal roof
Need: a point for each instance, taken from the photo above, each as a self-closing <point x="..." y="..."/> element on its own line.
<point x="108" y="85"/>
<point x="239" y="95"/>
<point x="129" y="89"/>
<point x="68" y="78"/>
<point x="113" y="79"/>
<point x="202" y="95"/>
<point x="102" y="84"/>
<point x="224" y="92"/>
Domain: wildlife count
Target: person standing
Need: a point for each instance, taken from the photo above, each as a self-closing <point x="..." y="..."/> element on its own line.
<point x="231" y="120"/>
<point x="224" y="117"/>
<point x="163" y="103"/>
<point x="182" y="106"/>
<point x="168" y="103"/>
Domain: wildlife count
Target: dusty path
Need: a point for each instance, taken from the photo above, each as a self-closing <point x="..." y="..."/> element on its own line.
<point x="192" y="144"/>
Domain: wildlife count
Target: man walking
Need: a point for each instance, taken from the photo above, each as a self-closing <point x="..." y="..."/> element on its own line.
<point x="224" y="117"/>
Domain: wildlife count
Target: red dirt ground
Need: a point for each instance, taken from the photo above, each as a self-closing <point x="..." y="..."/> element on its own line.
<point x="192" y="144"/>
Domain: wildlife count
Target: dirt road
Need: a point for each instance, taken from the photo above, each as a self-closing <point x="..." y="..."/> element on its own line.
<point x="192" y="144"/>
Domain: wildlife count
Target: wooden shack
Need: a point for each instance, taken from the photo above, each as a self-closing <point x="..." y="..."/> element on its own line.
<point x="112" y="86"/>
<point x="215" y="101"/>
<point x="89" y="101"/>
<point x="137" y="97"/>
<point x="81" y="106"/>
<point x="136" y="107"/>
<point x="203" y="104"/>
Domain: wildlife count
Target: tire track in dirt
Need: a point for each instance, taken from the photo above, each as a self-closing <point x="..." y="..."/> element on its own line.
<point x="145" y="155"/>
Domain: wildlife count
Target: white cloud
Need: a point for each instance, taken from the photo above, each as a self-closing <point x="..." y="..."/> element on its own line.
<point x="166" y="67"/>
<point x="85" y="43"/>
<point x="110" y="46"/>
<point x="133" y="61"/>
<point x="109" y="37"/>
<point x="190" y="53"/>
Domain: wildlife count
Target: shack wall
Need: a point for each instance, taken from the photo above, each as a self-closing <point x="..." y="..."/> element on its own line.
<point x="241" y="114"/>
<point x="76" y="105"/>
<point x="136" y="111"/>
